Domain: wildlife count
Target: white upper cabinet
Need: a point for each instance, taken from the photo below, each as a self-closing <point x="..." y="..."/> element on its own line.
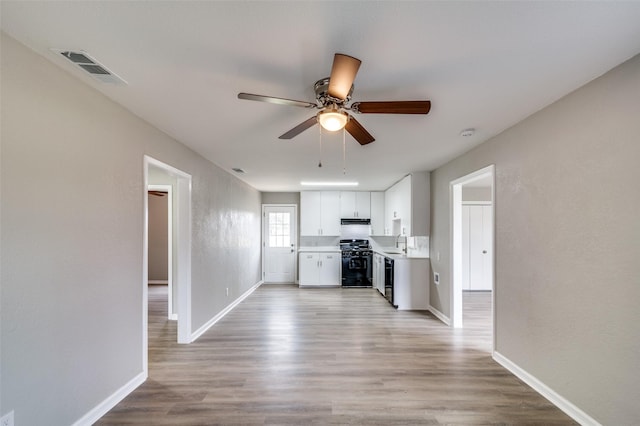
<point x="320" y="213"/>
<point x="407" y="206"/>
<point x="330" y="213"/>
<point x="355" y="205"/>
<point x="377" y="213"/>
<point x="310" y="213"/>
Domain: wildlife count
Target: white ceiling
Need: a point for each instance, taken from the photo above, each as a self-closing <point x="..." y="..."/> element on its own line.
<point x="485" y="65"/>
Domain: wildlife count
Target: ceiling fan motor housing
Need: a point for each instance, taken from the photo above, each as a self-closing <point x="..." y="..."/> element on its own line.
<point x="322" y="94"/>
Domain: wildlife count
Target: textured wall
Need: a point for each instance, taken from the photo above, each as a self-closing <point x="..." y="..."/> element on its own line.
<point x="72" y="239"/>
<point x="281" y="198"/>
<point x="567" y="243"/>
<point x="476" y="194"/>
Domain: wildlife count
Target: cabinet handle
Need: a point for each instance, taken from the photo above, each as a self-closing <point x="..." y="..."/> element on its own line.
<point x="484" y="252"/>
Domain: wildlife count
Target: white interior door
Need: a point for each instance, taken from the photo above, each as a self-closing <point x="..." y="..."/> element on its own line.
<point x="465" y="248"/>
<point x="487" y="244"/>
<point x="279" y="243"/>
<point x="476" y="239"/>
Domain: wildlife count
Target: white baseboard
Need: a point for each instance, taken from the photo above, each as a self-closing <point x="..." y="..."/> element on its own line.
<point x="103" y="408"/>
<point x="442" y="317"/>
<point x="199" y="332"/>
<point x="158" y="282"/>
<point x="556" y="399"/>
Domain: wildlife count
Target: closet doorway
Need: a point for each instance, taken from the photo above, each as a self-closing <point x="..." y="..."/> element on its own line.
<point x="472" y="242"/>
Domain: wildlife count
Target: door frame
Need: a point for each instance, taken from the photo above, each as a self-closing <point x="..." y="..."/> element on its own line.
<point x="182" y="224"/>
<point x="296" y="237"/>
<point x="455" y="196"/>
<point x="171" y="313"/>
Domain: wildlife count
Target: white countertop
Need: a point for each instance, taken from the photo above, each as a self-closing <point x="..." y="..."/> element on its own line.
<point x="398" y="256"/>
<point x="319" y="249"/>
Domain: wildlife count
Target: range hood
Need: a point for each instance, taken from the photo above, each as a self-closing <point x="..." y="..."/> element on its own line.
<point x="355" y="221"/>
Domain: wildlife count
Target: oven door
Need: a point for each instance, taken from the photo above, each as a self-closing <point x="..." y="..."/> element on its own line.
<point x="356" y="271"/>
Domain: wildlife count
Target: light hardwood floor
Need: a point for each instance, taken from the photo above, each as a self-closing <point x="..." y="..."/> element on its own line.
<point x="329" y="357"/>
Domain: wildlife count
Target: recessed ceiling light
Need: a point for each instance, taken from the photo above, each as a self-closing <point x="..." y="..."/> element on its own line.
<point x="238" y="170"/>
<point x="329" y="183"/>
<point x="467" y="132"/>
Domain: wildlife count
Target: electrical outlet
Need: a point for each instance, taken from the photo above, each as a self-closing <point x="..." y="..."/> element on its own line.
<point x="7" y="419"/>
<point x="436" y="278"/>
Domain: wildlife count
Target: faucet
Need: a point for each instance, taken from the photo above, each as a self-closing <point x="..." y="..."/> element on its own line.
<point x="405" y="243"/>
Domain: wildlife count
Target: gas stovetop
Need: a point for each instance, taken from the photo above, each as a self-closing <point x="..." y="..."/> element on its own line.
<point x="355" y="247"/>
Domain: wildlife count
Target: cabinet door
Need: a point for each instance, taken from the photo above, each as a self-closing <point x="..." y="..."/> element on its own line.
<point x="390" y="211"/>
<point x="310" y="213"/>
<point x="330" y="213"/>
<point x="348" y="204"/>
<point x="309" y="269"/>
<point x="330" y="269"/>
<point x="377" y="213"/>
<point x="363" y="204"/>
<point x="403" y="203"/>
<point x="374" y="271"/>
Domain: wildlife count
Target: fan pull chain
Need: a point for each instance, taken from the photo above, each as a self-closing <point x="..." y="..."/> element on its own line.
<point x="320" y="159"/>
<point x="344" y="152"/>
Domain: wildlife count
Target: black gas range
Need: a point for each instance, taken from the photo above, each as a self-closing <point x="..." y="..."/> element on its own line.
<point x="356" y="263"/>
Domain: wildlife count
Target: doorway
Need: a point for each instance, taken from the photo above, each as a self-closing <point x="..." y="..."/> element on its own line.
<point x="279" y="228"/>
<point x="472" y="241"/>
<point x="160" y="243"/>
<point x="159" y="173"/>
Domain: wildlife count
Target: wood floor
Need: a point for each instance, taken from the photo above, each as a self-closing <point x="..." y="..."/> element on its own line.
<point x="329" y="357"/>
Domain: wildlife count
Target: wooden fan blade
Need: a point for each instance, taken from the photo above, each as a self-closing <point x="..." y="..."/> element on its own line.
<point x="279" y="101"/>
<point x="393" y="107"/>
<point x="299" y="128"/>
<point x="343" y="72"/>
<point x="358" y="132"/>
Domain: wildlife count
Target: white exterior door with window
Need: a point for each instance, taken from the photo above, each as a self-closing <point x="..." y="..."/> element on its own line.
<point x="279" y="243"/>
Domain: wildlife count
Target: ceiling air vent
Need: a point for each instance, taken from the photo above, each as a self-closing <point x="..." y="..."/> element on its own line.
<point x="90" y="65"/>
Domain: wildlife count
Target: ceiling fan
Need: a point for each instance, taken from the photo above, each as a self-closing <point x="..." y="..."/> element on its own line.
<point x="332" y="96"/>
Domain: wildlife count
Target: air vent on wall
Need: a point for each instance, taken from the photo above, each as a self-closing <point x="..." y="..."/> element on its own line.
<point x="90" y="65"/>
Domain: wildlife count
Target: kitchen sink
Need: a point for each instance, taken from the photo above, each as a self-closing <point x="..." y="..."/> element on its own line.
<point x="393" y="251"/>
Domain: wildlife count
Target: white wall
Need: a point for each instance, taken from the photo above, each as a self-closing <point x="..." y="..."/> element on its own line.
<point x="567" y="243"/>
<point x="72" y="239"/>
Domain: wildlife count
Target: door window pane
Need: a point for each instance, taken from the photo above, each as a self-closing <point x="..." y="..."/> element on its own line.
<point x="279" y="227"/>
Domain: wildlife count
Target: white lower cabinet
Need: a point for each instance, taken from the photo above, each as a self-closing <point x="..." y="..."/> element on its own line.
<point x="378" y="272"/>
<point x="320" y="269"/>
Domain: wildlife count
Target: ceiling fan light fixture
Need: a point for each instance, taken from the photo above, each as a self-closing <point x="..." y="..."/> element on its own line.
<point x="333" y="119"/>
